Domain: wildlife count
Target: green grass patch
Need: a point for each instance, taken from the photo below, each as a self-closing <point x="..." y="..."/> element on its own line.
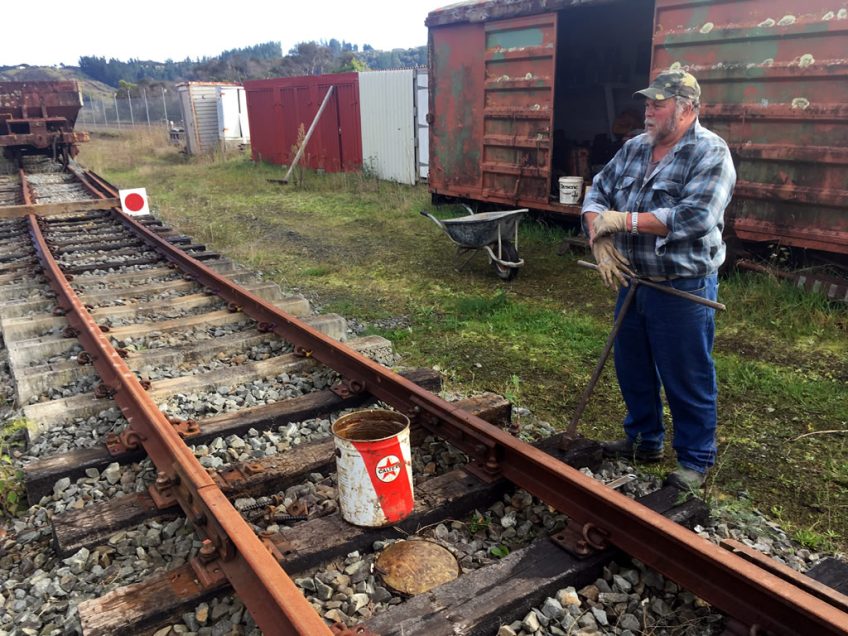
<point x="12" y="497"/>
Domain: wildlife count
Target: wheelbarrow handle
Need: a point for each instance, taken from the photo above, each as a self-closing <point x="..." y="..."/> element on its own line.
<point x="663" y="288"/>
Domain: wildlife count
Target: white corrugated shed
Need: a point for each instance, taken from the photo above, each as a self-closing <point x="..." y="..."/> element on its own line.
<point x="233" y="128"/>
<point x="389" y="129"/>
<point x="199" y="106"/>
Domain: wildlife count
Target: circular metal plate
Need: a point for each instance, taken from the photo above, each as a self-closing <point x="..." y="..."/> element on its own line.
<point x="413" y="567"/>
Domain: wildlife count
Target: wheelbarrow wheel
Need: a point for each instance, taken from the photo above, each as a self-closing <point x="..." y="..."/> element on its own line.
<point x="509" y="253"/>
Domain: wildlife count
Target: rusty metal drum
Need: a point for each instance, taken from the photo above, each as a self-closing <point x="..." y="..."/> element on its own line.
<point x="374" y="467"/>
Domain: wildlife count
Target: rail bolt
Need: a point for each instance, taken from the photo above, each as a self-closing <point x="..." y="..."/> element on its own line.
<point x="163" y="482"/>
<point x="208" y="552"/>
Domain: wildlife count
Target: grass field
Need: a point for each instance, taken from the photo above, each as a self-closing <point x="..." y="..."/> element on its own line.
<point x="357" y="246"/>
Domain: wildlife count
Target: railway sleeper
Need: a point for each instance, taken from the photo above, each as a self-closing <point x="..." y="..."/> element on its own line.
<point x="531" y="574"/>
<point x="33" y="381"/>
<point x="17" y="308"/>
<point x="44" y="416"/>
<point x="96" y="523"/>
<point x="24" y="353"/>
<point x="40" y="475"/>
<point x="23" y="327"/>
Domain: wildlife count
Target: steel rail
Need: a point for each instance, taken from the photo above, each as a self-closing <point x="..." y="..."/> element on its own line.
<point x="273" y="600"/>
<point x="739" y="588"/>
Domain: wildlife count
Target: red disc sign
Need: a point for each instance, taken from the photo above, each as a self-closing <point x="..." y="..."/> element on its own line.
<point x="134" y="202"/>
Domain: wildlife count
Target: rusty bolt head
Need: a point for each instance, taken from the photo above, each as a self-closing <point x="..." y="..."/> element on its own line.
<point x="163" y="482"/>
<point x="207" y="552"/>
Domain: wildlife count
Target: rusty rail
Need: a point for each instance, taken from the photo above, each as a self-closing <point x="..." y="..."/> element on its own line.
<point x="230" y="547"/>
<point x="739" y="588"/>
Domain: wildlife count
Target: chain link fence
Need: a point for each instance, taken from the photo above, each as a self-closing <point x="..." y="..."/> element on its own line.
<point x="142" y="108"/>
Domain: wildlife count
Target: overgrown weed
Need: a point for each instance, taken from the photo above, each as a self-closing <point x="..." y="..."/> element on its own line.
<point x="12" y="498"/>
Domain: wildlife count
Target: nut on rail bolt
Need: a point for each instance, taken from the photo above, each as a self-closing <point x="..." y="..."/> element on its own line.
<point x="163" y="482"/>
<point x="208" y="552"/>
<point x="103" y="391"/>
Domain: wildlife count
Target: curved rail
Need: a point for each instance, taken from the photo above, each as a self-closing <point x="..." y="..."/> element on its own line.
<point x="230" y="547"/>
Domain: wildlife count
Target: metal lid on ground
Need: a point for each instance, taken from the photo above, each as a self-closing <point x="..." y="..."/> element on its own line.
<point x="417" y="566"/>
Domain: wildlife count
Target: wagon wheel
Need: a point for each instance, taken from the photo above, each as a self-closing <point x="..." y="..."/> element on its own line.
<point x="508" y="253"/>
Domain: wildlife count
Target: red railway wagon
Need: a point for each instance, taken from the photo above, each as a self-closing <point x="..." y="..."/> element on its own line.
<point x="524" y="92"/>
<point x="39" y="118"/>
<point x="277" y="108"/>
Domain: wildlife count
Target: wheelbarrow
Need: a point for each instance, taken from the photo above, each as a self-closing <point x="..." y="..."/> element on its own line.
<point x="495" y="232"/>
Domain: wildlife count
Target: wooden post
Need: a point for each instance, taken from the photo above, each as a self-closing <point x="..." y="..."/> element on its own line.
<point x="308" y="134"/>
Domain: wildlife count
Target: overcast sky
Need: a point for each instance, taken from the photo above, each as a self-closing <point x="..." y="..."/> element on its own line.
<point x="176" y="29"/>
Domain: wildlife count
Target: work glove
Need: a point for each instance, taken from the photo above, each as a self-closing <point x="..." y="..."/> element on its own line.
<point x="611" y="264"/>
<point x="609" y="222"/>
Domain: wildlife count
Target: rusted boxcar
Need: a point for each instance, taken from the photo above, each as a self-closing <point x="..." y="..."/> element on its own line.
<point x="524" y="92"/>
<point x="277" y="108"/>
<point x="39" y="118"/>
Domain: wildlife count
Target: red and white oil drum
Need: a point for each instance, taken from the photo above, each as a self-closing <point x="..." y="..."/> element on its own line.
<point x="374" y="467"/>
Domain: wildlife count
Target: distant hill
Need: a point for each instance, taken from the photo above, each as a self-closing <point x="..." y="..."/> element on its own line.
<point x="26" y="73"/>
<point x="101" y="77"/>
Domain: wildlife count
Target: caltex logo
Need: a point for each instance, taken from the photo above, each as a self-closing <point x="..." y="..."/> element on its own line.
<point x="388" y="468"/>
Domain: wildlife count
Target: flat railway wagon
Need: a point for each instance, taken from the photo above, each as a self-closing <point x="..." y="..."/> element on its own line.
<point x="39" y="117"/>
<point x="524" y="92"/>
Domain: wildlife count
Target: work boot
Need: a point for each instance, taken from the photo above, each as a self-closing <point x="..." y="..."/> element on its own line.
<point x="627" y="449"/>
<point x="685" y="478"/>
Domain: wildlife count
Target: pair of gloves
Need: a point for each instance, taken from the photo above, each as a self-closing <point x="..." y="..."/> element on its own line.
<point x="611" y="264"/>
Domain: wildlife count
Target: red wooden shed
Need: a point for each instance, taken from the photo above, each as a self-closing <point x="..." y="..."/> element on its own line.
<point x="276" y="108"/>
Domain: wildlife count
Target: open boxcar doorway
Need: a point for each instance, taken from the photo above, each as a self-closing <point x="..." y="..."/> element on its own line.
<point x="603" y="55"/>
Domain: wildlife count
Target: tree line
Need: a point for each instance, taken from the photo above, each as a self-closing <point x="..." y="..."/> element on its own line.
<point x="252" y="62"/>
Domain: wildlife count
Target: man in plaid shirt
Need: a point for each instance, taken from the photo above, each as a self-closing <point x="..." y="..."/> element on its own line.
<point x="656" y="211"/>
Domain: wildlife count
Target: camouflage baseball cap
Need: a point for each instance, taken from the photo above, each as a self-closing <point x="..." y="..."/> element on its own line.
<point x="672" y="83"/>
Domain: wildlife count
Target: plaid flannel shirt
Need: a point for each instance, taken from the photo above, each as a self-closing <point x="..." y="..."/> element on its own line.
<point x="687" y="191"/>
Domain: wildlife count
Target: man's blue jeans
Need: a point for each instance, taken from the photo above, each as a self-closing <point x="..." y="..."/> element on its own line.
<point x="667" y="341"/>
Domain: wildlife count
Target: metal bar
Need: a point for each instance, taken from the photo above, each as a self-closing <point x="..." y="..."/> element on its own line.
<point x="50" y="209"/>
<point x="570" y="434"/>
<point x="308" y="136"/>
<point x="668" y="290"/>
<point x="25" y="194"/>
<point x="739" y="588"/>
<point x="822" y="591"/>
<point x="269" y="594"/>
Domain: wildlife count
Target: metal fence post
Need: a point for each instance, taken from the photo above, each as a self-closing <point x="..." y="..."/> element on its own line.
<point x="117" y="114"/>
<point x="146" y="109"/>
<point x="129" y="99"/>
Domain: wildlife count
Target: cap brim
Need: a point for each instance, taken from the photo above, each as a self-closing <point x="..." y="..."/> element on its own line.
<point x="651" y="93"/>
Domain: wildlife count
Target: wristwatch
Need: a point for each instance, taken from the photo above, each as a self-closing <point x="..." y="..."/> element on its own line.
<point x="634" y="223"/>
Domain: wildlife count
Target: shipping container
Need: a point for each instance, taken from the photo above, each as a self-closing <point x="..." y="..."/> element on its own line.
<point x="524" y="92"/>
<point x="233" y="127"/>
<point x="281" y="109"/>
<point x="199" y="109"/>
<point x="391" y="126"/>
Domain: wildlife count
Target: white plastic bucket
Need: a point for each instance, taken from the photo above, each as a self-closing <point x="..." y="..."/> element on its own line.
<point x="570" y="189"/>
<point x="373" y="467"/>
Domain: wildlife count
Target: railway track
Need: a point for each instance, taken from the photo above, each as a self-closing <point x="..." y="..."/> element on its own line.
<point x="186" y="403"/>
